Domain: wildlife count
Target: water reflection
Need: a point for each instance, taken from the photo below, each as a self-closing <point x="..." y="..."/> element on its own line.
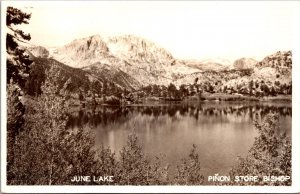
<point x="103" y="115"/>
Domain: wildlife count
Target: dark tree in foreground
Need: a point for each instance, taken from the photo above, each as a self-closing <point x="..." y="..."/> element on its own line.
<point x="18" y="62"/>
<point x="17" y="66"/>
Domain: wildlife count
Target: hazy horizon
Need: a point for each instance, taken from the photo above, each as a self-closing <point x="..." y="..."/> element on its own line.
<point x="188" y="30"/>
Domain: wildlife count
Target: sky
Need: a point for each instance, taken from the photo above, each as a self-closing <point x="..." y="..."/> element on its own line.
<point x="189" y="30"/>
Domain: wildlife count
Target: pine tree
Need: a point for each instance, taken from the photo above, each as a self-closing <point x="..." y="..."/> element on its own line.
<point x="18" y="63"/>
<point x="17" y="66"/>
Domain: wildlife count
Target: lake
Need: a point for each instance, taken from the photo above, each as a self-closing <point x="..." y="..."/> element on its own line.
<point x="222" y="131"/>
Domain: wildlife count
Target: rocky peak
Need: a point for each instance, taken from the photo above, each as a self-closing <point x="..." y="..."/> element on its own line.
<point x="38" y="51"/>
<point x="134" y="48"/>
<point x="127" y="48"/>
<point x="244" y="63"/>
<point x="82" y="52"/>
<point x="280" y="59"/>
<point x="92" y="44"/>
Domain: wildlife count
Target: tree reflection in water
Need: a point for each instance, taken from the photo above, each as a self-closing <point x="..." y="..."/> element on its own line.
<point x="104" y="115"/>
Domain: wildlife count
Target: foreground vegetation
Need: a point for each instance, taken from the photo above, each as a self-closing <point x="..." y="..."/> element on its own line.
<point x="270" y="155"/>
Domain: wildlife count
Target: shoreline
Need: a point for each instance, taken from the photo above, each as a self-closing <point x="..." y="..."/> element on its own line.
<point x="194" y="99"/>
<point x="191" y="99"/>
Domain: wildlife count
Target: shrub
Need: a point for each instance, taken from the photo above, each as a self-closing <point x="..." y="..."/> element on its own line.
<point x="135" y="169"/>
<point x="188" y="172"/>
<point x="45" y="151"/>
<point x="15" y="124"/>
<point x="270" y="155"/>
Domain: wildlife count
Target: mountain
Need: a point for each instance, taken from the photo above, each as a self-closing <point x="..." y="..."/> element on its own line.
<point x="209" y="64"/>
<point x="103" y="72"/>
<point x="82" y="52"/>
<point x="135" y="49"/>
<point x="131" y="63"/>
<point x="39" y="67"/>
<point x="274" y="72"/>
<point x="114" y="74"/>
<point x="73" y="80"/>
<point x="38" y="51"/>
<point x="279" y="60"/>
<point x="244" y="63"/>
<point x="142" y="60"/>
<point x="217" y="60"/>
<point x="277" y="66"/>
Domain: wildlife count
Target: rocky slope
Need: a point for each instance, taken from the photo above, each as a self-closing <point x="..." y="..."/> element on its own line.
<point x="75" y="81"/>
<point x="140" y="59"/>
<point x="113" y="74"/>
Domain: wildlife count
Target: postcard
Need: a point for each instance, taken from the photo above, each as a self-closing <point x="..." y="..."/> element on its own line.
<point x="149" y="96"/>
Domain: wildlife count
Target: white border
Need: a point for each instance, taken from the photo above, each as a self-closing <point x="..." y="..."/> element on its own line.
<point x="3" y="98"/>
<point x="295" y="188"/>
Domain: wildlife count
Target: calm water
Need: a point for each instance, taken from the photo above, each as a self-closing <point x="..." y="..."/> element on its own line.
<point x="221" y="131"/>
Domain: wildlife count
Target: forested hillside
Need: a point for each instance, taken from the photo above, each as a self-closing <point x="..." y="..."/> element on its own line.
<point x="73" y="82"/>
<point x="271" y="76"/>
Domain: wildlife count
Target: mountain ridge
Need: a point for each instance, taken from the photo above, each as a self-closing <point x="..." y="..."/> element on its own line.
<point x="133" y="62"/>
<point x="139" y="58"/>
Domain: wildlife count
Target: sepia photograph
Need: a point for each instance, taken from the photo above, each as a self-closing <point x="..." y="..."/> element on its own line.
<point x="141" y="93"/>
